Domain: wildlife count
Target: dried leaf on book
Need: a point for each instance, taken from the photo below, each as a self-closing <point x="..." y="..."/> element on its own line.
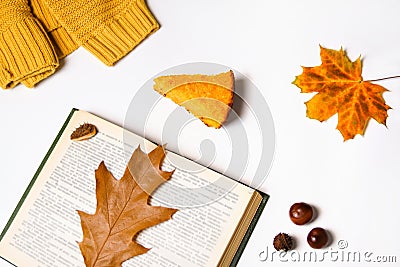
<point x="123" y="210"/>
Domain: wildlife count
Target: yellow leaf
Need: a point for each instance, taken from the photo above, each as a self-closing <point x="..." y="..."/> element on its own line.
<point x="340" y="89"/>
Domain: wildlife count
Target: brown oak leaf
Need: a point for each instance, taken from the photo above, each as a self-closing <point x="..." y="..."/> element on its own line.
<point x="123" y="210"/>
<point x="340" y="89"/>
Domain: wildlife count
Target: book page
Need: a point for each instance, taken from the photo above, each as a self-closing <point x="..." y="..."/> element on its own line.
<point x="47" y="227"/>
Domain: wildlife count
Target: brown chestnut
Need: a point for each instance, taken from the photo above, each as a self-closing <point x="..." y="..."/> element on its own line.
<point x="300" y="213"/>
<point x="317" y="237"/>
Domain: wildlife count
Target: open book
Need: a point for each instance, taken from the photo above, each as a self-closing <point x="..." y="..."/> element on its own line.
<point x="215" y="219"/>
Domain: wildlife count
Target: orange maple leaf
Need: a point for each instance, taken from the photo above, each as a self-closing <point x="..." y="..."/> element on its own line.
<point x="340" y="89"/>
<point x="123" y="210"/>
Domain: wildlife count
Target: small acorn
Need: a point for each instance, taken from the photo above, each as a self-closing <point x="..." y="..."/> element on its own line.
<point x="84" y="132"/>
<point x="283" y="241"/>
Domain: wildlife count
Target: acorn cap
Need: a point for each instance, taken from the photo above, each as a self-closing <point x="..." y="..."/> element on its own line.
<point x="283" y="241"/>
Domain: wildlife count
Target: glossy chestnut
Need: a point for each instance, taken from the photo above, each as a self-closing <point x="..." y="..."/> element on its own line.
<point x="317" y="238"/>
<point x="300" y="213"/>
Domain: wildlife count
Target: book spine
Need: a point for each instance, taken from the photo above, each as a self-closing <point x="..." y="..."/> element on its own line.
<point x="33" y="180"/>
<point x="250" y="230"/>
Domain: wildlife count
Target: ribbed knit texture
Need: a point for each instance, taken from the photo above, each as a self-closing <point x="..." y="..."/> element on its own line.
<point x="109" y="29"/>
<point x="35" y="34"/>
<point x="61" y="40"/>
<point x="26" y="53"/>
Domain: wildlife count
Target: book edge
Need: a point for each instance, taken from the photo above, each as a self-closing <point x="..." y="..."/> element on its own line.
<point x="250" y="229"/>
<point x="33" y="180"/>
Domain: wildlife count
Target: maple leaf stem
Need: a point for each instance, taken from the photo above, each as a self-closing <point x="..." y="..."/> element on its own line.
<point x="381" y="79"/>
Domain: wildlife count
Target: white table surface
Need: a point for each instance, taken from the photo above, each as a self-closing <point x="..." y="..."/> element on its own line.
<point x="354" y="184"/>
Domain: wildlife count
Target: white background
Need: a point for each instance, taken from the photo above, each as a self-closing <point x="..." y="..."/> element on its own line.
<point x="354" y="185"/>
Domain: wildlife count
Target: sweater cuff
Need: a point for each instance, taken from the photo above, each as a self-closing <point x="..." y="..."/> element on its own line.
<point x="123" y="34"/>
<point x="60" y="39"/>
<point x="26" y="54"/>
<point x="62" y="42"/>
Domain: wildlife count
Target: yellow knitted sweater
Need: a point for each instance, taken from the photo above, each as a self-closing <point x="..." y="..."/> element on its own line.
<point x="35" y="34"/>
